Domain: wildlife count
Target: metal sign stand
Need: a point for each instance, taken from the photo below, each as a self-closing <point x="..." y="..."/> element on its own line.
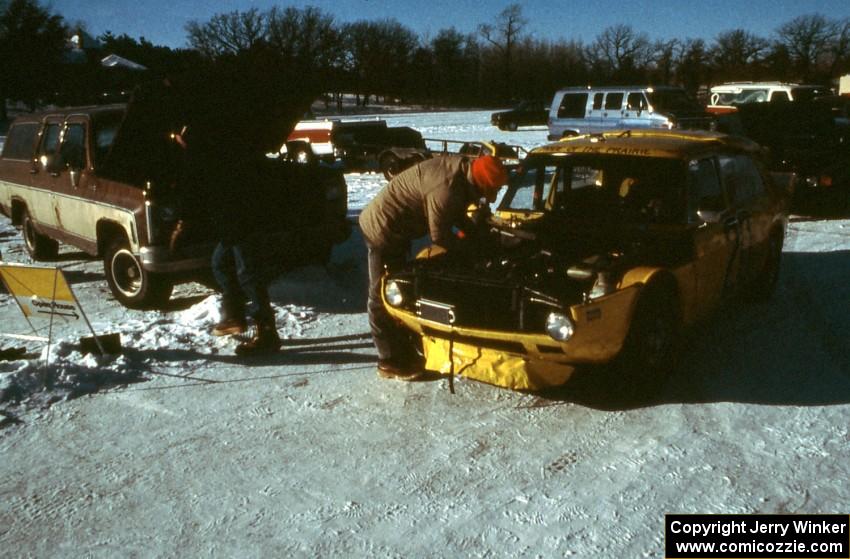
<point x="57" y="272"/>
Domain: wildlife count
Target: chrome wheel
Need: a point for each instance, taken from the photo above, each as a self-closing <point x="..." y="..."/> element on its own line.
<point x="126" y="273"/>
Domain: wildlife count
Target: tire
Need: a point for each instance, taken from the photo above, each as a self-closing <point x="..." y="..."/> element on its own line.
<point x="764" y="283"/>
<point x="651" y="348"/>
<point x="133" y="286"/>
<point x="39" y="247"/>
<point x="511" y="126"/>
<point x="390" y="165"/>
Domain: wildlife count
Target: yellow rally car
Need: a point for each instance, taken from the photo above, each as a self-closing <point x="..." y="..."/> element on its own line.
<point x="603" y="248"/>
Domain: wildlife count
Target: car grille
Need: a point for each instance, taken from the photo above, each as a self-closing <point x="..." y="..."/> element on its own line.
<point x="489" y="305"/>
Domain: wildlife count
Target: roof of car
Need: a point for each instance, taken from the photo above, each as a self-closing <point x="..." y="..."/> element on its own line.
<point x="64" y="112"/>
<point x="649" y="143"/>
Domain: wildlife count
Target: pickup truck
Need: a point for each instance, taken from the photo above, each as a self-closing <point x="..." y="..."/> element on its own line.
<point x="392" y="161"/>
<point x="117" y="182"/>
<point x="355" y="144"/>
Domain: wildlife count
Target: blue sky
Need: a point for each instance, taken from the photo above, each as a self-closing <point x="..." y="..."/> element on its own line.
<point x="162" y="21"/>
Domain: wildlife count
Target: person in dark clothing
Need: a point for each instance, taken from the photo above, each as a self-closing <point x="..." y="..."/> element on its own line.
<point x="240" y="261"/>
<point x="427" y="199"/>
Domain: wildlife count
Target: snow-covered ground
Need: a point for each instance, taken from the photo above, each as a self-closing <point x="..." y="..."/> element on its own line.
<point x="177" y="448"/>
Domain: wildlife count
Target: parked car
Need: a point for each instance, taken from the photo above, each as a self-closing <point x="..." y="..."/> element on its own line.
<point x="394" y="160"/>
<point x="117" y="182"/>
<point x="527" y="113"/>
<point x="603" y="250"/>
<point x="587" y="110"/>
<point x="807" y="138"/>
<point x="355" y="144"/>
<point x="726" y="97"/>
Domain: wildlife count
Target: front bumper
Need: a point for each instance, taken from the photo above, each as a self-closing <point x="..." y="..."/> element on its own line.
<point x="520" y="360"/>
<point x="162" y="260"/>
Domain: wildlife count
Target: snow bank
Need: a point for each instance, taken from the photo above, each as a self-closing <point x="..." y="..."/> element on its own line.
<point x="150" y="342"/>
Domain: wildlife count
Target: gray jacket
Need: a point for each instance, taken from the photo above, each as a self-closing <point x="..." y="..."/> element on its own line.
<point x="429" y="198"/>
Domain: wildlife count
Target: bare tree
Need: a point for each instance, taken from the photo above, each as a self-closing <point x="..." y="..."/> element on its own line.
<point x="229" y="33"/>
<point x="664" y="56"/>
<point x="379" y="56"/>
<point x="504" y="35"/>
<point x="693" y="69"/>
<point x="735" y="52"/>
<point x="808" y="40"/>
<point x="840" y="47"/>
<point x="305" y="37"/>
<point x="620" y="51"/>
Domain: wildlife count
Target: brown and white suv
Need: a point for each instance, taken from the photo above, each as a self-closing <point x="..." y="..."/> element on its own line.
<point x="111" y="181"/>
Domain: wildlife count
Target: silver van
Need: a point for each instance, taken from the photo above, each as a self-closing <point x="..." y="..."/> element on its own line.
<point x="583" y="110"/>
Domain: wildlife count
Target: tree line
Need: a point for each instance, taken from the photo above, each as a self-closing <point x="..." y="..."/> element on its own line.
<point x="497" y="63"/>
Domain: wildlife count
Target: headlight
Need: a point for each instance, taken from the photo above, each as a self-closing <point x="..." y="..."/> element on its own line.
<point x="392" y="293"/>
<point x="559" y="326"/>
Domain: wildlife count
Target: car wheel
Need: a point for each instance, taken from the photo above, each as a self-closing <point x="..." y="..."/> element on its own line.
<point x="512" y="126"/>
<point x="764" y="283"/>
<point x="132" y="285"/>
<point x="651" y="347"/>
<point x="39" y="247"/>
<point x="390" y="165"/>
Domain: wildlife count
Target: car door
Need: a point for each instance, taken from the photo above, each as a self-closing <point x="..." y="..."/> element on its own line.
<point x="594" y="113"/>
<point x="44" y="174"/>
<point x="717" y="234"/>
<point x="634" y="113"/>
<point x="746" y="188"/>
<point x="71" y="206"/>
<point x="613" y="111"/>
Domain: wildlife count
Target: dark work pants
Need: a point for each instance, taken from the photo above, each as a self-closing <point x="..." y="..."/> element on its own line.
<point x="391" y="340"/>
<point x="238" y="272"/>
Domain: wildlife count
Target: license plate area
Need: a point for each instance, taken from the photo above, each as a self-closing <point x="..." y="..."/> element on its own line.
<point x="435" y="312"/>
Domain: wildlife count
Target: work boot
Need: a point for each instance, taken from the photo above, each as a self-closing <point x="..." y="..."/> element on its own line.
<point x="229" y="326"/>
<point x="265" y="340"/>
<point x="391" y="370"/>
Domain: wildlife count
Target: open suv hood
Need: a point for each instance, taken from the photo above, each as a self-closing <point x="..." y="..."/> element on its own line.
<point x="218" y="110"/>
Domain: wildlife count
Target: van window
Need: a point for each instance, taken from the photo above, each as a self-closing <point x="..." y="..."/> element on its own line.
<point x="613" y="101"/>
<point x="73" y="149"/>
<point x="573" y="105"/>
<point x="636" y="102"/>
<point x="21" y="140"/>
<point x="597" y="101"/>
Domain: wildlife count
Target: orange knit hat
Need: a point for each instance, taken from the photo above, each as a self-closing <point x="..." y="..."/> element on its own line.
<point x="488" y="172"/>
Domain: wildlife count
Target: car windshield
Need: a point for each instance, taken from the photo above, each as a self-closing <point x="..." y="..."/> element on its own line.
<point x="672" y="100"/>
<point x="626" y="189"/>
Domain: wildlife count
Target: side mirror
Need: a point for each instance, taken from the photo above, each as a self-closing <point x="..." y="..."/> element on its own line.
<point x="709" y="216"/>
<point x="50" y="163"/>
<point x="710" y="209"/>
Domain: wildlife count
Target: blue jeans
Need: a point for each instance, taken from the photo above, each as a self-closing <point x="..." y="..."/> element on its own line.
<point x="391" y="340"/>
<point x="237" y="271"/>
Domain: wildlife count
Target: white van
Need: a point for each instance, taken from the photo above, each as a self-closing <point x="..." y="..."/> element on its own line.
<point x="738" y="93"/>
<point x="588" y="110"/>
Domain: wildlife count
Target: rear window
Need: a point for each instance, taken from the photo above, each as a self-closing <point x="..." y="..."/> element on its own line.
<point x="573" y="105"/>
<point x="21" y="141"/>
